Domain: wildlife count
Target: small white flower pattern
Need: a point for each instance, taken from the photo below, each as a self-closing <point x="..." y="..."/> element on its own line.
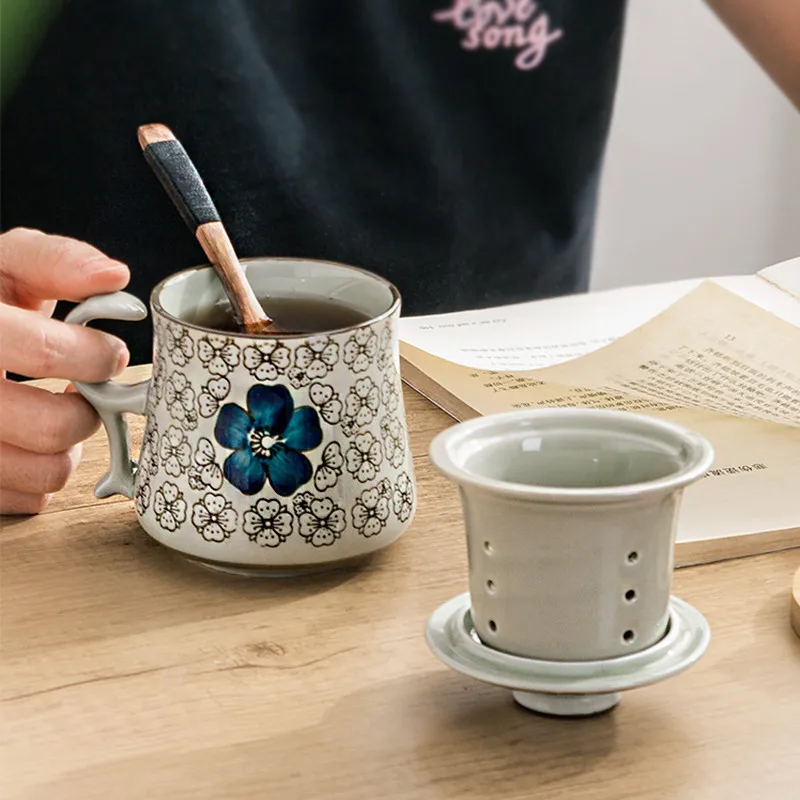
<point x="364" y="457"/>
<point x="320" y="520"/>
<point x="349" y="427"/>
<point x="390" y="393"/>
<point x="403" y="497"/>
<point x="181" y="400"/>
<point x="393" y="436"/>
<point x="371" y="511"/>
<point x="315" y="358"/>
<point x="175" y="451"/>
<point x="169" y="507"/>
<point x="205" y="473"/>
<point x="159" y="376"/>
<point x="213" y="517"/>
<point x="142" y="496"/>
<point x="360" y="349"/>
<point x="327" y="401"/>
<point x="268" y="523"/>
<point x="179" y="345"/>
<point x="298" y="378"/>
<point x="218" y="356"/>
<point x="266" y="360"/>
<point x="385" y="353"/>
<point x="362" y="402"/>
<point x="329" y="470"/>
<point x="148" y="458"/>
<point x="211" y="396"/>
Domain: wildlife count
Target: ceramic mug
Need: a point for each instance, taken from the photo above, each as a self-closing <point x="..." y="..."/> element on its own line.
<point x="570" y="517"/>
<point x="277" y="454"/>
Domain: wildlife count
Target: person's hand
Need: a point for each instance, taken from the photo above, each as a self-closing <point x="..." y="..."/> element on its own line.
<point x="41" y="432"/>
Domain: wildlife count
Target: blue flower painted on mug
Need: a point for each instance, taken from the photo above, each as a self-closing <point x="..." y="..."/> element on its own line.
<point x="269" y="439"/>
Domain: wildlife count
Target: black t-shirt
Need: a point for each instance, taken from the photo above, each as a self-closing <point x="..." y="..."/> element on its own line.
<point x="454" y="146"/>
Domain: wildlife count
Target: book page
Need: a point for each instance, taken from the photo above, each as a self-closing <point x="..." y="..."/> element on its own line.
<point x="785" y="276"/>
<point x="711" y="350"/>
<point x="542" y="333"/>
<point x="751" y="488"/>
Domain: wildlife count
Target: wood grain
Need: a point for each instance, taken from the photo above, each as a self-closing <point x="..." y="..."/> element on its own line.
<point x="155" y="132"/>
<point x="129" y="674"/>
<point x="247" y="309"/>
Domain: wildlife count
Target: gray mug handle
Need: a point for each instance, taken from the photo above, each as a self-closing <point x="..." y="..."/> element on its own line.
<point x="112" y="400"/>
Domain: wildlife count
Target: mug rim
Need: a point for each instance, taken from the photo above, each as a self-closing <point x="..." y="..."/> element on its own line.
<point x="158" y="308"/>
<point x="440" y="455"/>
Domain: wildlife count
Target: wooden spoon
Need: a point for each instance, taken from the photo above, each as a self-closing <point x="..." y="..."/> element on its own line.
<point x="182" y="182"/>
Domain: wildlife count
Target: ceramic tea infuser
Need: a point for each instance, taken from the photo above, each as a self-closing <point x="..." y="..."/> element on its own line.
<point x="570" y="516"/>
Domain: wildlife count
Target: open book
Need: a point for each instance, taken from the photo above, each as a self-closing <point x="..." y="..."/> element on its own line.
<point x="720" y="356"/>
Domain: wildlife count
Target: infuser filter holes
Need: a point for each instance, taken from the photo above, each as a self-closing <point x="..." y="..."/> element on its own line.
<point x="628" y="637"/>
<point x="630" y="595"/>
<point x="633" y="557"/>
<point x="488" y="547"/>
<point x="492" y="626"/>
<point x="490" y="587"/>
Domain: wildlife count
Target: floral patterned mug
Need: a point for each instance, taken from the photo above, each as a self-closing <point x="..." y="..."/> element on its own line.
<point x="263" y="454"/>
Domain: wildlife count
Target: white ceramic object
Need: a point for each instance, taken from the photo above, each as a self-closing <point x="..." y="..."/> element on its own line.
<point x="277" y="454"/>
<point x="570" y="517"/>
<point x="566" y="688"/>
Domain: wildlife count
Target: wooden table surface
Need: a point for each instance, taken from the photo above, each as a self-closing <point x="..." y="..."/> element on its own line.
<point x="130" y="674"/>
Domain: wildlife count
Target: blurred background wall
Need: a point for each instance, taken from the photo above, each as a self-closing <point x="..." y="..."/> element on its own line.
<point x="702" y="175"/>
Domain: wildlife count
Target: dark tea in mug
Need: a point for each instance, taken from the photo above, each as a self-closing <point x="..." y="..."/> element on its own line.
<point x="290" y="314"/>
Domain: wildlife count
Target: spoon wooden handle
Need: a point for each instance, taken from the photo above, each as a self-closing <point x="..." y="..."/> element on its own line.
<point x="182" y="182"/>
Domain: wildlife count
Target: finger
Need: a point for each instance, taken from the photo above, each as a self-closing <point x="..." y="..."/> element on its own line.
<point x="35" y="266"/>
<point x="12" y="502"/>
<point x="39" y="347"/>
<point x="42" y="422"/>
<point x="34" y="473"/>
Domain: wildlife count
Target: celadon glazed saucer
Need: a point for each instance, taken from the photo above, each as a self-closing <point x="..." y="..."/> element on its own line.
<point x="566" y="688"/>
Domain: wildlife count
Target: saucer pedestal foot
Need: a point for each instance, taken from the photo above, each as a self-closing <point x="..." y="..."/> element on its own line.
<point x="565" y="688"/>
<point x="276" y="571"/>
<point x="567" y="705"/>
<point x="253" y="572"/>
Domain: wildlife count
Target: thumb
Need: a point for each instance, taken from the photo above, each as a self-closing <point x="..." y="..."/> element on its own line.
<point x="35" y="267"/>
